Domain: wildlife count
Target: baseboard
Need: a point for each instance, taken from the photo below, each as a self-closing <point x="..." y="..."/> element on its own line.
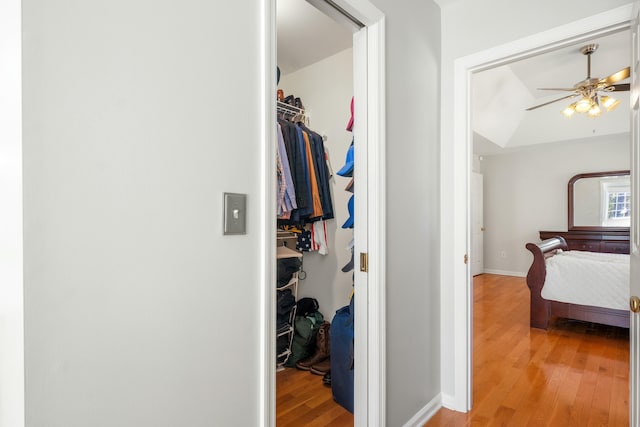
<point x="448" y="401"/>
<point x="425" y="414"/>
<point x="505" y="273"/>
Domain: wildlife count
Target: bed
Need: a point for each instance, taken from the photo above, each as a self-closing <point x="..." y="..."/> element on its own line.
<point x="588" y="286"/>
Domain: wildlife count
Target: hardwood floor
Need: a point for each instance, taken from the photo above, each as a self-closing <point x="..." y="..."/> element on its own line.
<point x="303" y="400"/>
<point x="574" y="374"/>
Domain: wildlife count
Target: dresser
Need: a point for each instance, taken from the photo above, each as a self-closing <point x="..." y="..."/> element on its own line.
<point x="593" y="241"/>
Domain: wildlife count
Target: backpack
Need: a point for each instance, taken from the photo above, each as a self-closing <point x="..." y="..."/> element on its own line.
<point x="304" y="337"/>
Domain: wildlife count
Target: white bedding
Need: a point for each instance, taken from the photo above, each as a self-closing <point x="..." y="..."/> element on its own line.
<point x="588" y="278"/>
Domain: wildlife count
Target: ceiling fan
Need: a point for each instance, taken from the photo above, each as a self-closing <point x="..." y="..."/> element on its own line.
<point x="593" y="91"/>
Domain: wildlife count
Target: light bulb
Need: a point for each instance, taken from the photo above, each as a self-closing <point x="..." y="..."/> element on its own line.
<point x="583" y="105"/>
<point x="594" y="111"/>
<point x="609" y="103"/>
<point x="568" y="112"/>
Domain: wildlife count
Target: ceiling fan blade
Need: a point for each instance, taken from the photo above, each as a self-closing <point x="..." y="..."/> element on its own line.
<point x="569" y="89"/>
<point x="620" y="87"/>
<point x="551" y="102"/>
<point x="616" y="77"/>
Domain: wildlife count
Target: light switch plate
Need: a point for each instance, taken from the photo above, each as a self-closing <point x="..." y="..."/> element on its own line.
<point x="235" y="213"/>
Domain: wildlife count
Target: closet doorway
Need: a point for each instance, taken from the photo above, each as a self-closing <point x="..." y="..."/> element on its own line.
<point x="367" y="62"/>
<point x="315" y="88"/>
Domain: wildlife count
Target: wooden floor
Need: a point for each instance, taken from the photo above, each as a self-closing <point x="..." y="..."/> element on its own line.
<point x="574" y="374"/>
<point x="303" y="400"/>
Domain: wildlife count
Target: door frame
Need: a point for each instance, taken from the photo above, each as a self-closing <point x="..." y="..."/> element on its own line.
<point x="11" y="222"/>
<point x="369" y="172"/>
<point x="596" y="25"/>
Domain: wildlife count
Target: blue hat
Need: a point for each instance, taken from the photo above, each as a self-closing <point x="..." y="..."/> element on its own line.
<point x="349" y="222"/>
<point x="347" y="169"/>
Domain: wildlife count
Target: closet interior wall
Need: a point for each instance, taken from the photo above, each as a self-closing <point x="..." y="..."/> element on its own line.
<point x="327" y="100"/>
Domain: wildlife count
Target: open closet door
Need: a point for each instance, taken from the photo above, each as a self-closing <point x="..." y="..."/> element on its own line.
<point x="634" y="377"/>
<point x="361" y="289"/>
<point x="370" y="199"/>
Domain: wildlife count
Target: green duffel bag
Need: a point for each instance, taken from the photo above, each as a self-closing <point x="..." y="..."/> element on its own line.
<point x="304" y="336"/>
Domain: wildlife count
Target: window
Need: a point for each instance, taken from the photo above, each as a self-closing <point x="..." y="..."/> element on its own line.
<point x="616" y="203"/>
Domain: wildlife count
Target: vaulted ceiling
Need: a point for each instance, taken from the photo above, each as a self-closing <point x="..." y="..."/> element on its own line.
<point x="501" y="95"/>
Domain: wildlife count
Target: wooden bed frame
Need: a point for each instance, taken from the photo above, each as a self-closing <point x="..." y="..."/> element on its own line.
<point x="542" y="310"/>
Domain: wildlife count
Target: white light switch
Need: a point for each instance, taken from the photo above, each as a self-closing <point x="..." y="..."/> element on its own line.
<point x="235" y="213"/>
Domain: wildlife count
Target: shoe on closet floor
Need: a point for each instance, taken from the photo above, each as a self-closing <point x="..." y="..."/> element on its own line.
<point x="322" y="368"/>
<point x="322" y="349"/>
<point x="326" y="380"/>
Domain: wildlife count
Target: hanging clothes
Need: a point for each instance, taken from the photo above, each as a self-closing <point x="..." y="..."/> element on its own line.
<point x="309" y="175"/>
<point x="286" y="188"/>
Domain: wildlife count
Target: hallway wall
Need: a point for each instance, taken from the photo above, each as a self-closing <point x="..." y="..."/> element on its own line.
<point x="138" y="310"/>
<point x="131" y="135"/>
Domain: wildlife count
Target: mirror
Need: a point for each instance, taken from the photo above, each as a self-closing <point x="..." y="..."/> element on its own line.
<point x="600" y="200"/>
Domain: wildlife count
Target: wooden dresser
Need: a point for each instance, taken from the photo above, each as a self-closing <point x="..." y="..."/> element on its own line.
<point x="593" y="241"/>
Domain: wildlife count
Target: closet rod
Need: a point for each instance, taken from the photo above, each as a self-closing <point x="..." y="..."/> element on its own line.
<point x="336" y="7"/>
<point x="345" y="13"/>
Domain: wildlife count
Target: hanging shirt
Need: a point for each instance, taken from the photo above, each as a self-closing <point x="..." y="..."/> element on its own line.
<point x="304" y="163"/>
<point x="287" y="201"/>
<point x="282" y="188"/>
<point x="319" y="233"/>
<point x="324" y="175"/>
<point x="315" y="193"/>
<point x="297" y="166"/>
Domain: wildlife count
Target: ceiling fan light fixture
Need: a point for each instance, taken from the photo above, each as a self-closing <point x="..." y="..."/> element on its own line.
<point x="570" y="110"/>
<point x="583" y="105"/>
<point x="594" y="111"/>
<point x="609" y="103"/>
<point x="591" y="91"/>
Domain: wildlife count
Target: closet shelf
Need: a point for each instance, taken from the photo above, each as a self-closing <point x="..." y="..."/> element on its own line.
<point x="285" y="252"/>
<point x="289" y="110"/>
<point x="283" y="333"/>
<point x="292" y="286"/>
<point x="293" y="282"/>
<point x="284" y="353"/>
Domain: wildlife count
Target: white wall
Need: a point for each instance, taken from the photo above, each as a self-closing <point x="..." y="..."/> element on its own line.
<point x="526" y="191"/>
<point x="11" y="307"/>
<point x="326" y="88"/>
<point x="137" y="117"/>
<point x="413" y="221"/>
<point x="469" y="27"/>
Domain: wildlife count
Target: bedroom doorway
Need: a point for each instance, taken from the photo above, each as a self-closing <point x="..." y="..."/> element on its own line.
<point x="598" y="25"/>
